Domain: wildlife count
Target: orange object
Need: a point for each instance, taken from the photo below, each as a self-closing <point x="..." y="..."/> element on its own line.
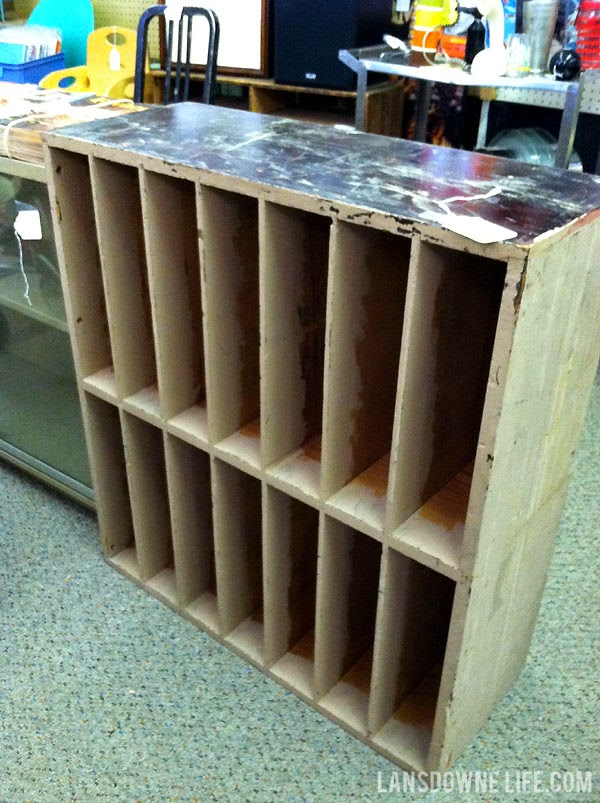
<point x="453" y="46"/>
<point x="424" y="45"/>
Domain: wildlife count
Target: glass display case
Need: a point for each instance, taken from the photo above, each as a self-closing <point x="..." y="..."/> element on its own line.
<point x="41" y="429"/>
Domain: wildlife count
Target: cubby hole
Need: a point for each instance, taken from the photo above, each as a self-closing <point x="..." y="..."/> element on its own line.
<point x="190" y="498"/>
<point x="229" y="230"/>
<point x="171" y="227"/>
<point x="452" y="316"/>
<point x="414" y="617"/>
<point x="237" y="499"/>
<point x="123" y="254"/>
<point x="291" y="551"/>
<point x="146" y="473"/>
<point x="366" y="308"/>
<point x="294" y="271"/>
<point x="84" y="287"/>
<point x="109" y="474"/>
<point x="346" y="604"/>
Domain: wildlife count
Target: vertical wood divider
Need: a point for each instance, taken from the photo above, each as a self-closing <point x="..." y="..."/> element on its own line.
<point x="230" y="268"/>
<point x="335" y="455"/>
<point x="148" y="491"/>
<point x="70" y="188"/>
<point x="120" y="236"/>
<point x="294" y="249"/>
<point x="333" y="579"/>
<point x="237" y="507"/>
<point x="451" y="314"/>
<point x="368" y="285"/>
<point x="170" y="227"/>
<point x="107" y="461"/>
<point x="290" y="577"/>
<point x="277" y="568"/>
<point x="190" y="501"/>
<point x="282" y="384"/>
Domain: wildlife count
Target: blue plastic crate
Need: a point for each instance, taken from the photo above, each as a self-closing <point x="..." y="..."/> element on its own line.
<point x="30" y="72"/>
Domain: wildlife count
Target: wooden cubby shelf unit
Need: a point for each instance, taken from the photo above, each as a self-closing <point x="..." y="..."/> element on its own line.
<point x="324" y="428"/>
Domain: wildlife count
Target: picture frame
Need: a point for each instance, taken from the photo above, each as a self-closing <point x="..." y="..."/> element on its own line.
<point x="244" y="36"/>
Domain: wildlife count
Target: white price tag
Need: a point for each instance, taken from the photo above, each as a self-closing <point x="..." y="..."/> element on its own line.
<point x="28" y="224"/>
<point x="474" y="227"/>
<point x="478" y="229"/>
<point x="114" y="60"/>
<point x="173" y="11"/>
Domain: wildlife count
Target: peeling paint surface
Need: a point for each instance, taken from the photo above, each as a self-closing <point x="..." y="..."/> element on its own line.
<point x="392" y="176"/>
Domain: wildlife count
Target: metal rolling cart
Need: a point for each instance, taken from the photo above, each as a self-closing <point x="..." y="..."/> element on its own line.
<point x="570" y="96"/>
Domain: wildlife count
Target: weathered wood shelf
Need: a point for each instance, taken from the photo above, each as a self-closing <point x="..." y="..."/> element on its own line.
<point x="323" y="427"/>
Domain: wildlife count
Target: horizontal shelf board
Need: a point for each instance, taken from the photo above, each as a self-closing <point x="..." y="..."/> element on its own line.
<point x="191" y="425"/>
<point x="127" y="562"/>
<point x="301" y="469"/>
<point x="204" y="610"/>
<point x="363" y="501"/>
<point x="297" y="672"/>
<point x="407" y="735"/>
<point x="145" y="404"/>
<point x="348" y="704"/>
<point x="164" y="586"/>
<point x="305" y="647"/>
<point x="248" y="638"/>
<point x="102" y="384"/>
<point x="349" y="698"/>
<point x="45" y="307"/>
<point x="433" y="535"/>
<point x="244" y="445"/>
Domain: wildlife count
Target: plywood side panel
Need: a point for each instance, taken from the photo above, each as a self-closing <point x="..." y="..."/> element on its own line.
<point x="517" y="523"/>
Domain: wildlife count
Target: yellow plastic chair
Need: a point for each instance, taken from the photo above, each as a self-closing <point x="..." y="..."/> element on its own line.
<point x="110" y="68"/>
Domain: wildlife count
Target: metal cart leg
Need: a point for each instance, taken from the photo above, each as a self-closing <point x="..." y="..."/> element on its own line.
<point x="568" y="124"/>
<point x="422" y="110"/>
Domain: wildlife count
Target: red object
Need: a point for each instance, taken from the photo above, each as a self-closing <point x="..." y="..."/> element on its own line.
<point x="588" y="33"/>
<point x="454" y="46"/>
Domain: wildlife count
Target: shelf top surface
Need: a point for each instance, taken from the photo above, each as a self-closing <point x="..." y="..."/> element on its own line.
<point x="409" y="181"/>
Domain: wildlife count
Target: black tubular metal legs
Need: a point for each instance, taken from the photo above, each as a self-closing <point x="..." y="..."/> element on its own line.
<point x="174" y="91"/>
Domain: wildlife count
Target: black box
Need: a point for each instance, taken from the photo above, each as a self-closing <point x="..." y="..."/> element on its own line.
<point x="309" y="33"/>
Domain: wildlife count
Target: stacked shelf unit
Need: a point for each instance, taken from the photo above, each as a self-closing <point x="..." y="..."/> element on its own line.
<point x="326" y="434"/>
